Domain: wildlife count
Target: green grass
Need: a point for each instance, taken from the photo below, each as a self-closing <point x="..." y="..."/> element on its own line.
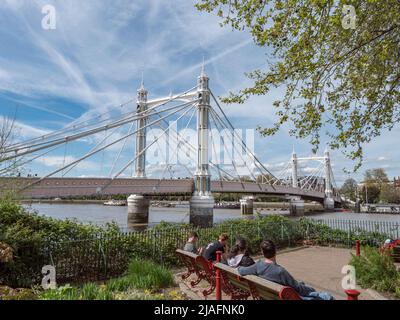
<point x="144" y="274"/>
<point x="141" y="275"/>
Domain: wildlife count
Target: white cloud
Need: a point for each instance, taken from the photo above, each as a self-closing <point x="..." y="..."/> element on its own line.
<point x="55" y="162"/>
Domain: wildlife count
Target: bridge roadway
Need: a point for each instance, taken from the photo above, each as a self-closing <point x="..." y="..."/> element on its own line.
<point x="71" y="187"/>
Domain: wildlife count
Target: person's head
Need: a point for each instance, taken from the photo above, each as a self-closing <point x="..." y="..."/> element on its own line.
<point x="240" y="247"/>
<point x="193" y="237"/>
<point x="268" y="249"/>
<point x="223" y="238"/>
<point x="241" y="244"/>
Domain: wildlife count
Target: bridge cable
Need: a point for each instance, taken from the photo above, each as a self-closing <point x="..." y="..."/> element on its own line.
<point x="234" y="148"/>
<point x="231" y="157"/>
<point x="81" y="135"/>
<point x="71" y="127"/>
<point x="178" y="143"/>
<point x="100" y="149"/>
<point x="121" y="150"/>
<point x="94" y="148"/>
<point x="243" y="143"/>
<point x="120" y="121"/>
<point x="144" y="150"/>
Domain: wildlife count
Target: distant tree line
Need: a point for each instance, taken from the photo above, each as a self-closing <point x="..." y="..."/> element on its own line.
<point x="376" y="187"/>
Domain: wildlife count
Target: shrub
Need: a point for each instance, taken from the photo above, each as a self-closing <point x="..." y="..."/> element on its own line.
<point x="377" y="271"/>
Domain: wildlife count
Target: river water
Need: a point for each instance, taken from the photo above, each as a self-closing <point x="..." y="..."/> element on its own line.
<point x="99" y="215"/>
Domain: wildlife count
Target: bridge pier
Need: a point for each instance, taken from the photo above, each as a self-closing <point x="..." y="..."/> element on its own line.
<point x="138" y="210"/>
<point x="202" y="211"/>
<point x="329" y="204"/>
<point x="247" y="205"/>
<point x="296" y="207"/>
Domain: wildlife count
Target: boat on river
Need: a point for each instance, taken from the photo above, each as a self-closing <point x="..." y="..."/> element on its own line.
<point x="118" y="203"/>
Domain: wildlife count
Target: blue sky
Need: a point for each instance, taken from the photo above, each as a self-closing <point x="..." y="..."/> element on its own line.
<point x="95" y="58"/>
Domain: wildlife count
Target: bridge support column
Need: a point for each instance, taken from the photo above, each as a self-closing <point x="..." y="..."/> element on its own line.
<point x="329" y="202"/>
<point x="296" y="207"/>
<point x="201" y="211"/>
<point x="357" y="206"/>
<point x="247" y="205"/>
<point x="138" y="210"/>
<point x="202" y="202"/>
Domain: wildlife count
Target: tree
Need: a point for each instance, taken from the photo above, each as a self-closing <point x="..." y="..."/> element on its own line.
<point x="7" y="135"/>
<point x="374" y="181"/>
<point x="370" y="193"/>
<point x="389" y="194"/>
<point x="336" y="78"/>
<point x="349" y="189"/>
<point x="376" y="177"/>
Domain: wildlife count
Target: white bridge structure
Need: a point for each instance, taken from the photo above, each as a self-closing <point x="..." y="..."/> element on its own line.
<point x="205" y="177"/>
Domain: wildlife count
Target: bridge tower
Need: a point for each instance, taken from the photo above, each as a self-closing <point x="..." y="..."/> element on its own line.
<point x="329" y="202"/>
<point x="138" y="205"/>
<point x="140" y="168"/>
<point x="295" y="183"/>
<point x="296" y="203"/>
<point x="202" y="202"/>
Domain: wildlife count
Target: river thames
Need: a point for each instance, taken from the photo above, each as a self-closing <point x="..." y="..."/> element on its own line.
<point x="99" y="214"/>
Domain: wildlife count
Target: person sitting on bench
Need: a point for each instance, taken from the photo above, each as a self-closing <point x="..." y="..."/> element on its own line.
<point x="270" y="270"/>
<point x="213" y="247"/>
<point x="239" y="255"/>
<point x="190" y="245"/>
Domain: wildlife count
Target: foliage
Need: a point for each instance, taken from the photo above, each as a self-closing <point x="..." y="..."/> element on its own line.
<point x="341" y="79"/>
<point x="377" y="271"/>
<point x="376" y="176"/>
<point x="322" y="234"/>
<point x="377" y="187"/>
<point x="389" y="194"/>
<point x="349" y="189"/>
<point x="37" y="240"/>
<point x="7" y="293"/>
<point x="370" y="193"/>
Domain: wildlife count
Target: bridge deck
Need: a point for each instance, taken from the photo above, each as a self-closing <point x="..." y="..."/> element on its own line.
<point x="70" y="187"/>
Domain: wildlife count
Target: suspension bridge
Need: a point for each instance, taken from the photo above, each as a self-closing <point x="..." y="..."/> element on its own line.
<point x="206" y="173"/>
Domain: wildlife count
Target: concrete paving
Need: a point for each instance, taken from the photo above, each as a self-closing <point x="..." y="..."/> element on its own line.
<point x="319" y="267"/>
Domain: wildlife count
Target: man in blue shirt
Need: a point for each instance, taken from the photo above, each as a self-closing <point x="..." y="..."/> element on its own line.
<point x="270" y="270"/>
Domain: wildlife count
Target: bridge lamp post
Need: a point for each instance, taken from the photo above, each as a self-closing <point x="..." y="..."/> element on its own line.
<point x="202" y="202"/>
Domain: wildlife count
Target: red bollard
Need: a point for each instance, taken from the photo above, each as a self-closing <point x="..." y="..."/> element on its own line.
<point x="357" y="248"/>
<point x="352" y="294"/>
<point x="218" y="293"/>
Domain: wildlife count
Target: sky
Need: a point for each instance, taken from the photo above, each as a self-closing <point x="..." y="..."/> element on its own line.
<point x="95" y="60"/>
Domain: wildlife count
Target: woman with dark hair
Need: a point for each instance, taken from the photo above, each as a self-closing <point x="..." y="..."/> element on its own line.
<point x="239" y="255"/>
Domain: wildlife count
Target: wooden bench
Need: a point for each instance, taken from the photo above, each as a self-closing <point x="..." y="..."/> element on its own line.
<point x="198" y="265"/>
<point x="188" y="259"/>
<point x="260" y="289"/>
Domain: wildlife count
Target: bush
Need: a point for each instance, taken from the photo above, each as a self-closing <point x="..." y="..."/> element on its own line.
<point x="377" y="271"/>
<point x="29" y="241"/>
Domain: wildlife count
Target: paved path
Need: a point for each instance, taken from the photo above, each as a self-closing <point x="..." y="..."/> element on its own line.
<point x="319" y="267"/>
